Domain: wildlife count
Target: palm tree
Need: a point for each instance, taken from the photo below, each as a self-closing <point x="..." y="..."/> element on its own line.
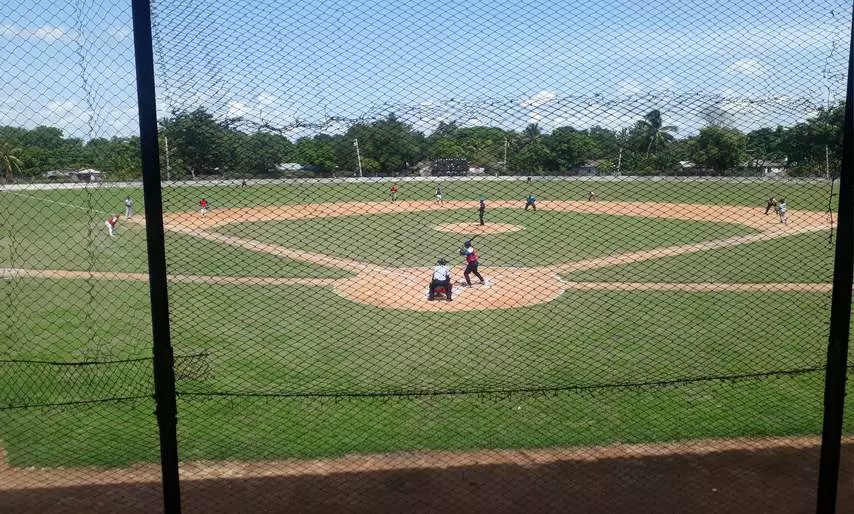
<point x="658" y="134"/>
<point x="9" y="162"/>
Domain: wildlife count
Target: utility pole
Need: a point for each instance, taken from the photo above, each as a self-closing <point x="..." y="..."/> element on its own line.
<point x="168" y="170"/>
<point x="506" y="143"/>
<point x="826" y="162"/>
<point x="358" y="155"/>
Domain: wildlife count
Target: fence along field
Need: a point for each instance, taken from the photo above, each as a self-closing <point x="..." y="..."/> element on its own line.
<point x="666" y="331"/>
<point x="254" y="297"/>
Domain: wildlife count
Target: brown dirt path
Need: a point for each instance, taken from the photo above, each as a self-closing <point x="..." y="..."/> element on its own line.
<point x="711" y="476"/>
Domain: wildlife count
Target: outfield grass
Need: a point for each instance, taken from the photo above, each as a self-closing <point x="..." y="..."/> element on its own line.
<point x="800" y="196"/>
<point x="800" y="258"/>
<point x="49" y="236"/>
<point x="410" y="239"/>
<point x="275" y="344"/>
<point x="300" y="339"/>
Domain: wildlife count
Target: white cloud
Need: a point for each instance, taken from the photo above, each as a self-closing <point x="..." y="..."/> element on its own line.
<point x="46" y="33"/>
<point x="120" y="33"/>
<point x="266" y="99"/>
<point x="237" y="110"/>
<point x="749" y="67"/>
<point x="629" y="87"/>
<point x="538" y="99"/>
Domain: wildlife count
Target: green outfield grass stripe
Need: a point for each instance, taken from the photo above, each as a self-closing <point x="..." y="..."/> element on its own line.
<point x="72" y="403"/>
<point x="650" y="384"/>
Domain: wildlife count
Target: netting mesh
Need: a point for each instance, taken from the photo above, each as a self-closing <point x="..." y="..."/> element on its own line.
<point x="450" y="256"/>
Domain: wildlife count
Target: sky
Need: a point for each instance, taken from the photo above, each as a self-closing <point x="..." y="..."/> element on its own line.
<point x="318" y="66"/>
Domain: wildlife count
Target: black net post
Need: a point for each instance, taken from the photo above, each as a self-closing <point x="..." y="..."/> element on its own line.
<point x="840" y="313"/>
<point x="164" y="373"/>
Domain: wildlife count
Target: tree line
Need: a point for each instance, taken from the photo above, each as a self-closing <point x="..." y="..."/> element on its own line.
<point x="200" y="145"/>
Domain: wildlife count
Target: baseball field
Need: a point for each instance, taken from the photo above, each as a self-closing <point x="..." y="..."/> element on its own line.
<point x="666" y="311"/>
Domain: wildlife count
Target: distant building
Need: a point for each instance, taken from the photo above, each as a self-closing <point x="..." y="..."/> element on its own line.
<point x="765" y="168"/>
<point x="449" y="167"/>
<point x="586" y="169"/>
<point x="84" y="175"/>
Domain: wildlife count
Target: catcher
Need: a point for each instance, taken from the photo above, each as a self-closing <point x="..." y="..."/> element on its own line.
<point x="441" y="280"/>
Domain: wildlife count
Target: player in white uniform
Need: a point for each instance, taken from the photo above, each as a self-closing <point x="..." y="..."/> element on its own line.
<point x="441" y="278"/>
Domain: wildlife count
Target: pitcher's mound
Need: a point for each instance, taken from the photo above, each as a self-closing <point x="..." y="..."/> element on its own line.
<point x="476" y="228"/>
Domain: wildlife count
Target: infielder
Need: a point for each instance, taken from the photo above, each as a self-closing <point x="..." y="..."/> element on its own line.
<point x="531" y="201"/>
<point x="482" y="209"/>
<point x="111" y="224"/>
<point x="204" y="207"/>
<point x="439" y="194"/>
<point x="128" y="207"/>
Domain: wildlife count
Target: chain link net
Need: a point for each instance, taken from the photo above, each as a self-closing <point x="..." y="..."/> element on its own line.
<point x="478" y="256"/>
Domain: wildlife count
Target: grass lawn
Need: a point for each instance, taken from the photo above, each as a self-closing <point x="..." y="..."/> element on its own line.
<point x="409" y="239"/>
<point x="799" y="258"/>
<point x="800" y="196"/>
<point x="262" y="341"/>
<point x="50" y="236"/>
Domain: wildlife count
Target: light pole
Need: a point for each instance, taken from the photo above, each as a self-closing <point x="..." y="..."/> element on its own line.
<point x="166" y="145"/>
<point x="358" y="155"/>
<point x="506" y="143"/>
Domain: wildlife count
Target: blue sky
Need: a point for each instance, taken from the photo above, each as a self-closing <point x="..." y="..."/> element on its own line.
<point x="505" y="63"/>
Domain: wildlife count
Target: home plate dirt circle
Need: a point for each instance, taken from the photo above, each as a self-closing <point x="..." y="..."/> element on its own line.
<point x="406" y="289"/>
<point x="476" y="228"/>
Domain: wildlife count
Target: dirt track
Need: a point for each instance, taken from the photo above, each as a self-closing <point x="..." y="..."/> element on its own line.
<point x="711" y="476"/>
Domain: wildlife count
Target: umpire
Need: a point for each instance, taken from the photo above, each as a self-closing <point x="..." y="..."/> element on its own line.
<point x="441" y="278"/>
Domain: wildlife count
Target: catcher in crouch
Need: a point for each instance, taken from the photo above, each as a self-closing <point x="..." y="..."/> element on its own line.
<point x="441" y="280"/>
<point x="471" y="262"/>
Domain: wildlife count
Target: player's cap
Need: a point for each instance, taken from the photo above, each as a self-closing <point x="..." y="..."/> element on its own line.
<point x="467" y="243"/>
<point x="442" y="260"/>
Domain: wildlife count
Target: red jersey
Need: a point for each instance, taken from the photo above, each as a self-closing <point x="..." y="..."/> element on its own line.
<point x="394" y="188"/>
<point x="471" y="255"/>
<point x="203" y="203"/>
<point x="113" y="220"/>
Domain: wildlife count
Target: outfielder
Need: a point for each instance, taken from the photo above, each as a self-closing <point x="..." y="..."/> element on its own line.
<point x="482" y="209"/>
<point x="204" y="207"/>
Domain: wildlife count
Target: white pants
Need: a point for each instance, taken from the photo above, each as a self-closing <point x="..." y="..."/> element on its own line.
<point x="110" y="229"/>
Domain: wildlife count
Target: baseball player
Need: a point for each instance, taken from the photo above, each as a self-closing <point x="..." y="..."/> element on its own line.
<point x="591" y="197"/>
<point x="392" y="193"/>
<point x="439" y="195"/>
<point x="482" y="209"/>
<point x="471" y="263"/>
<point x="531" y="201"/>
<point x="111" y="224"/>
<point x="128" y="207"/>
<point x="772" y="202"/>
<point x="783" y="211"/>
<point x="441" y="278"/>
<point x="204" y="207"/>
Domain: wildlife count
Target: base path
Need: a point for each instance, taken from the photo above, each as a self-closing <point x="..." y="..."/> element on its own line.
<point x="406" y="288"/>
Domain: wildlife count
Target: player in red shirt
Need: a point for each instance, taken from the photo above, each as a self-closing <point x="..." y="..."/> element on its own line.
<point x="204" y="204"/>
<point x="471" y="263"/>
<point x="392" y="193"/>
<point x="111" y="224"/>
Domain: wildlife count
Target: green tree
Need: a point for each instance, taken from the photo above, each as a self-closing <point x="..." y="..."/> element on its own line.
<point x="9" y="162"/>
<point x="658" y="135"/>
<point x="719" y="148"/>
<point x="198" y="141"/>
<point x="568" y="147"/>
